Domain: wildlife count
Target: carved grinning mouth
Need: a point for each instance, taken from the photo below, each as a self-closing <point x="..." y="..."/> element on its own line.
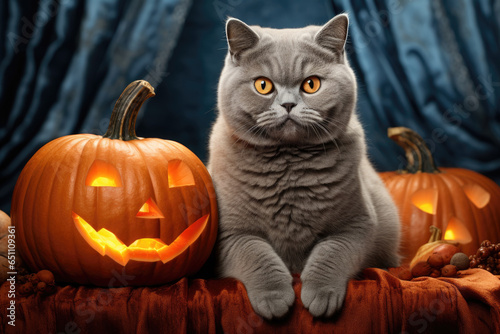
<point x="105" y="242"/>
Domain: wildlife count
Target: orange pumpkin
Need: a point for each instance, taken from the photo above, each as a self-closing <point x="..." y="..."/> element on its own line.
<point x="115" y="209"/>
<point x="463" y="203"/>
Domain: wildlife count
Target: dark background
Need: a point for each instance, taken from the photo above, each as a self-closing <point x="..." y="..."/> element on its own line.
<point x="431" y="65"/>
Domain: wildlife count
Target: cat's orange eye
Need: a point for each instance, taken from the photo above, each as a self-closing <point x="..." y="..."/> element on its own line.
<point x="311" y="84"/>
<point x="263" y="85"/>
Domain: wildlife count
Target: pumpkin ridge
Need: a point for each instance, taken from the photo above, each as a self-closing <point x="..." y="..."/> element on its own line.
<point x="210" y="191"/>
<point x="188" y="253"/>
<point x="46" y="159"/>
<point x="494" y="215"/>
<point x="488" y="218"/>
<point x="475" y="210"/>
<point x="79" y="139"/>
<point x="164" y="158"/>
<point x="107" y="149"/>
<point x="206" y="241"/>
<point x="83" y="171"/>
<point x="447" y="208"/>
<point x="191" y="156"/>
<point x="405" y="212"/>
<point x="21" y="227"/>
<point x="18" y="207"/>
<point x="471" y="208"/>
<point x="153" y="269"/>
<point x="180" y="261"/>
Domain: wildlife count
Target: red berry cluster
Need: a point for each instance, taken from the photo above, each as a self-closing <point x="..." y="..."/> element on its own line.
<point x="487" y="257"/>
<point x="42" y="282"/>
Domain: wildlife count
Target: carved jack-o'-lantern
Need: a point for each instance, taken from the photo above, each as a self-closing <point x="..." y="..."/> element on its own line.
<point x="115" y="209"/>
<point x="461" y="202"/>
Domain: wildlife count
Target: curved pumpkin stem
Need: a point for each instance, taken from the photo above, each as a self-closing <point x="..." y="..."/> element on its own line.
<point x="122" y="122"/>
<point x="418" y="155"/>
<point x="435" y="234"/>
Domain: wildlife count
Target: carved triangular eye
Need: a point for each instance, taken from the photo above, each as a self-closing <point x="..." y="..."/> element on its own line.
<point x="457" y="231"/>
<point x="150" y="210"/>
<point x="103" y="174"/>
<point x="477" y="195"/>
<point x="426" y="200"/>
<point x="179" y="174"/>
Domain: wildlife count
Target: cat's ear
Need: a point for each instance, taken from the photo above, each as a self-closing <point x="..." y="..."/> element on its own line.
<point x="240" y="36"/>
<point x="333" y="34"/>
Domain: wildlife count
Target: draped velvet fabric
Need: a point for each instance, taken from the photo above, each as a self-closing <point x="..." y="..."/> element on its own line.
<point x="378" y="303"/>
<point x="431" y="65"/>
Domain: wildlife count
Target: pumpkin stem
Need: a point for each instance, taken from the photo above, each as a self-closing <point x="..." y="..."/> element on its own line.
<point x="122" y="122"/>
<point x="435" y="234"/>
<point x="417" y="153"/>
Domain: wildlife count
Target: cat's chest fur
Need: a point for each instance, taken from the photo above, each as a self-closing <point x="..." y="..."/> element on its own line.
<point x="291" y="193"/>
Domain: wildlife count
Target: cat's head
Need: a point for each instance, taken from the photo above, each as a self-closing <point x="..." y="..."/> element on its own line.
<point x="287" y="86"/>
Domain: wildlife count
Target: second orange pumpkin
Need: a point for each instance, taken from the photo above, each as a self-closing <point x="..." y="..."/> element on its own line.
<point x="461" y="202"/>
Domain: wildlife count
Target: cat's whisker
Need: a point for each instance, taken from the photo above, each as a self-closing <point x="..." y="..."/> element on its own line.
<point x="312" y="125"/>
<point x="348" y="134"/>
<point x="267" y="122"/>
<point x="347" y="126"/>
<point x="249" y="131"/>
<point x="336" y="122"/>
<point x="260" y="131"/>
<point x="315" y="116"/>
<point x="329" y="135"/>
<point x="309" y="119"/>
<point x="267" y="118"/>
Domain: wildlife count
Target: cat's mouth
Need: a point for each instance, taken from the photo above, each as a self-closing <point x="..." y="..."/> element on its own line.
<point x="286" y="129"/>
<point x="286" y="120"/>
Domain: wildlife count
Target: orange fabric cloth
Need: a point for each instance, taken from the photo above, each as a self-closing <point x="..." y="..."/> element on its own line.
<point x="379" y="303"/>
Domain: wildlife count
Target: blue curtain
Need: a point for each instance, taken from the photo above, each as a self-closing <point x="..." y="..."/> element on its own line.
<point x="431" y="65"/>
<point x="63" y="64"/>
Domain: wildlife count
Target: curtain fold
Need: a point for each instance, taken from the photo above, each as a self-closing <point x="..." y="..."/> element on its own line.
<point x="430" y="65"/>
<point x="64" y="63"/>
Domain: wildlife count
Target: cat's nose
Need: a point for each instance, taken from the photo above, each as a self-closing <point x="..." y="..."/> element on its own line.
<point x="288" y="106"/>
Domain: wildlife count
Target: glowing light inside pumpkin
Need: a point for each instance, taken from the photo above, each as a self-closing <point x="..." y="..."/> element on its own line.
<point x="103" y="182"/>
<point x="149" y="210"/>
<point x="106" y="243"/>
<point x="477" y="195"/>
<point x="457" y="231"/>
<point x="425" y="200"/>
<point x="179" y="174"/>
<point x="103" y="174"/>
<point x="449" y="235"/>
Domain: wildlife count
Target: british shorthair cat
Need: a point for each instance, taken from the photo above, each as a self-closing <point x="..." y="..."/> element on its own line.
<point x="296" y="191"/>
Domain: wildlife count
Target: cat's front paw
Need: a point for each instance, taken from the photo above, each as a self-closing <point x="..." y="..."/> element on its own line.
<point x="323" y="301"/>
<point x="272" y="303"/>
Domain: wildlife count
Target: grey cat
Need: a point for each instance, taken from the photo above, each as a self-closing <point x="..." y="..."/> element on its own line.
<point x="296" y="191"/>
